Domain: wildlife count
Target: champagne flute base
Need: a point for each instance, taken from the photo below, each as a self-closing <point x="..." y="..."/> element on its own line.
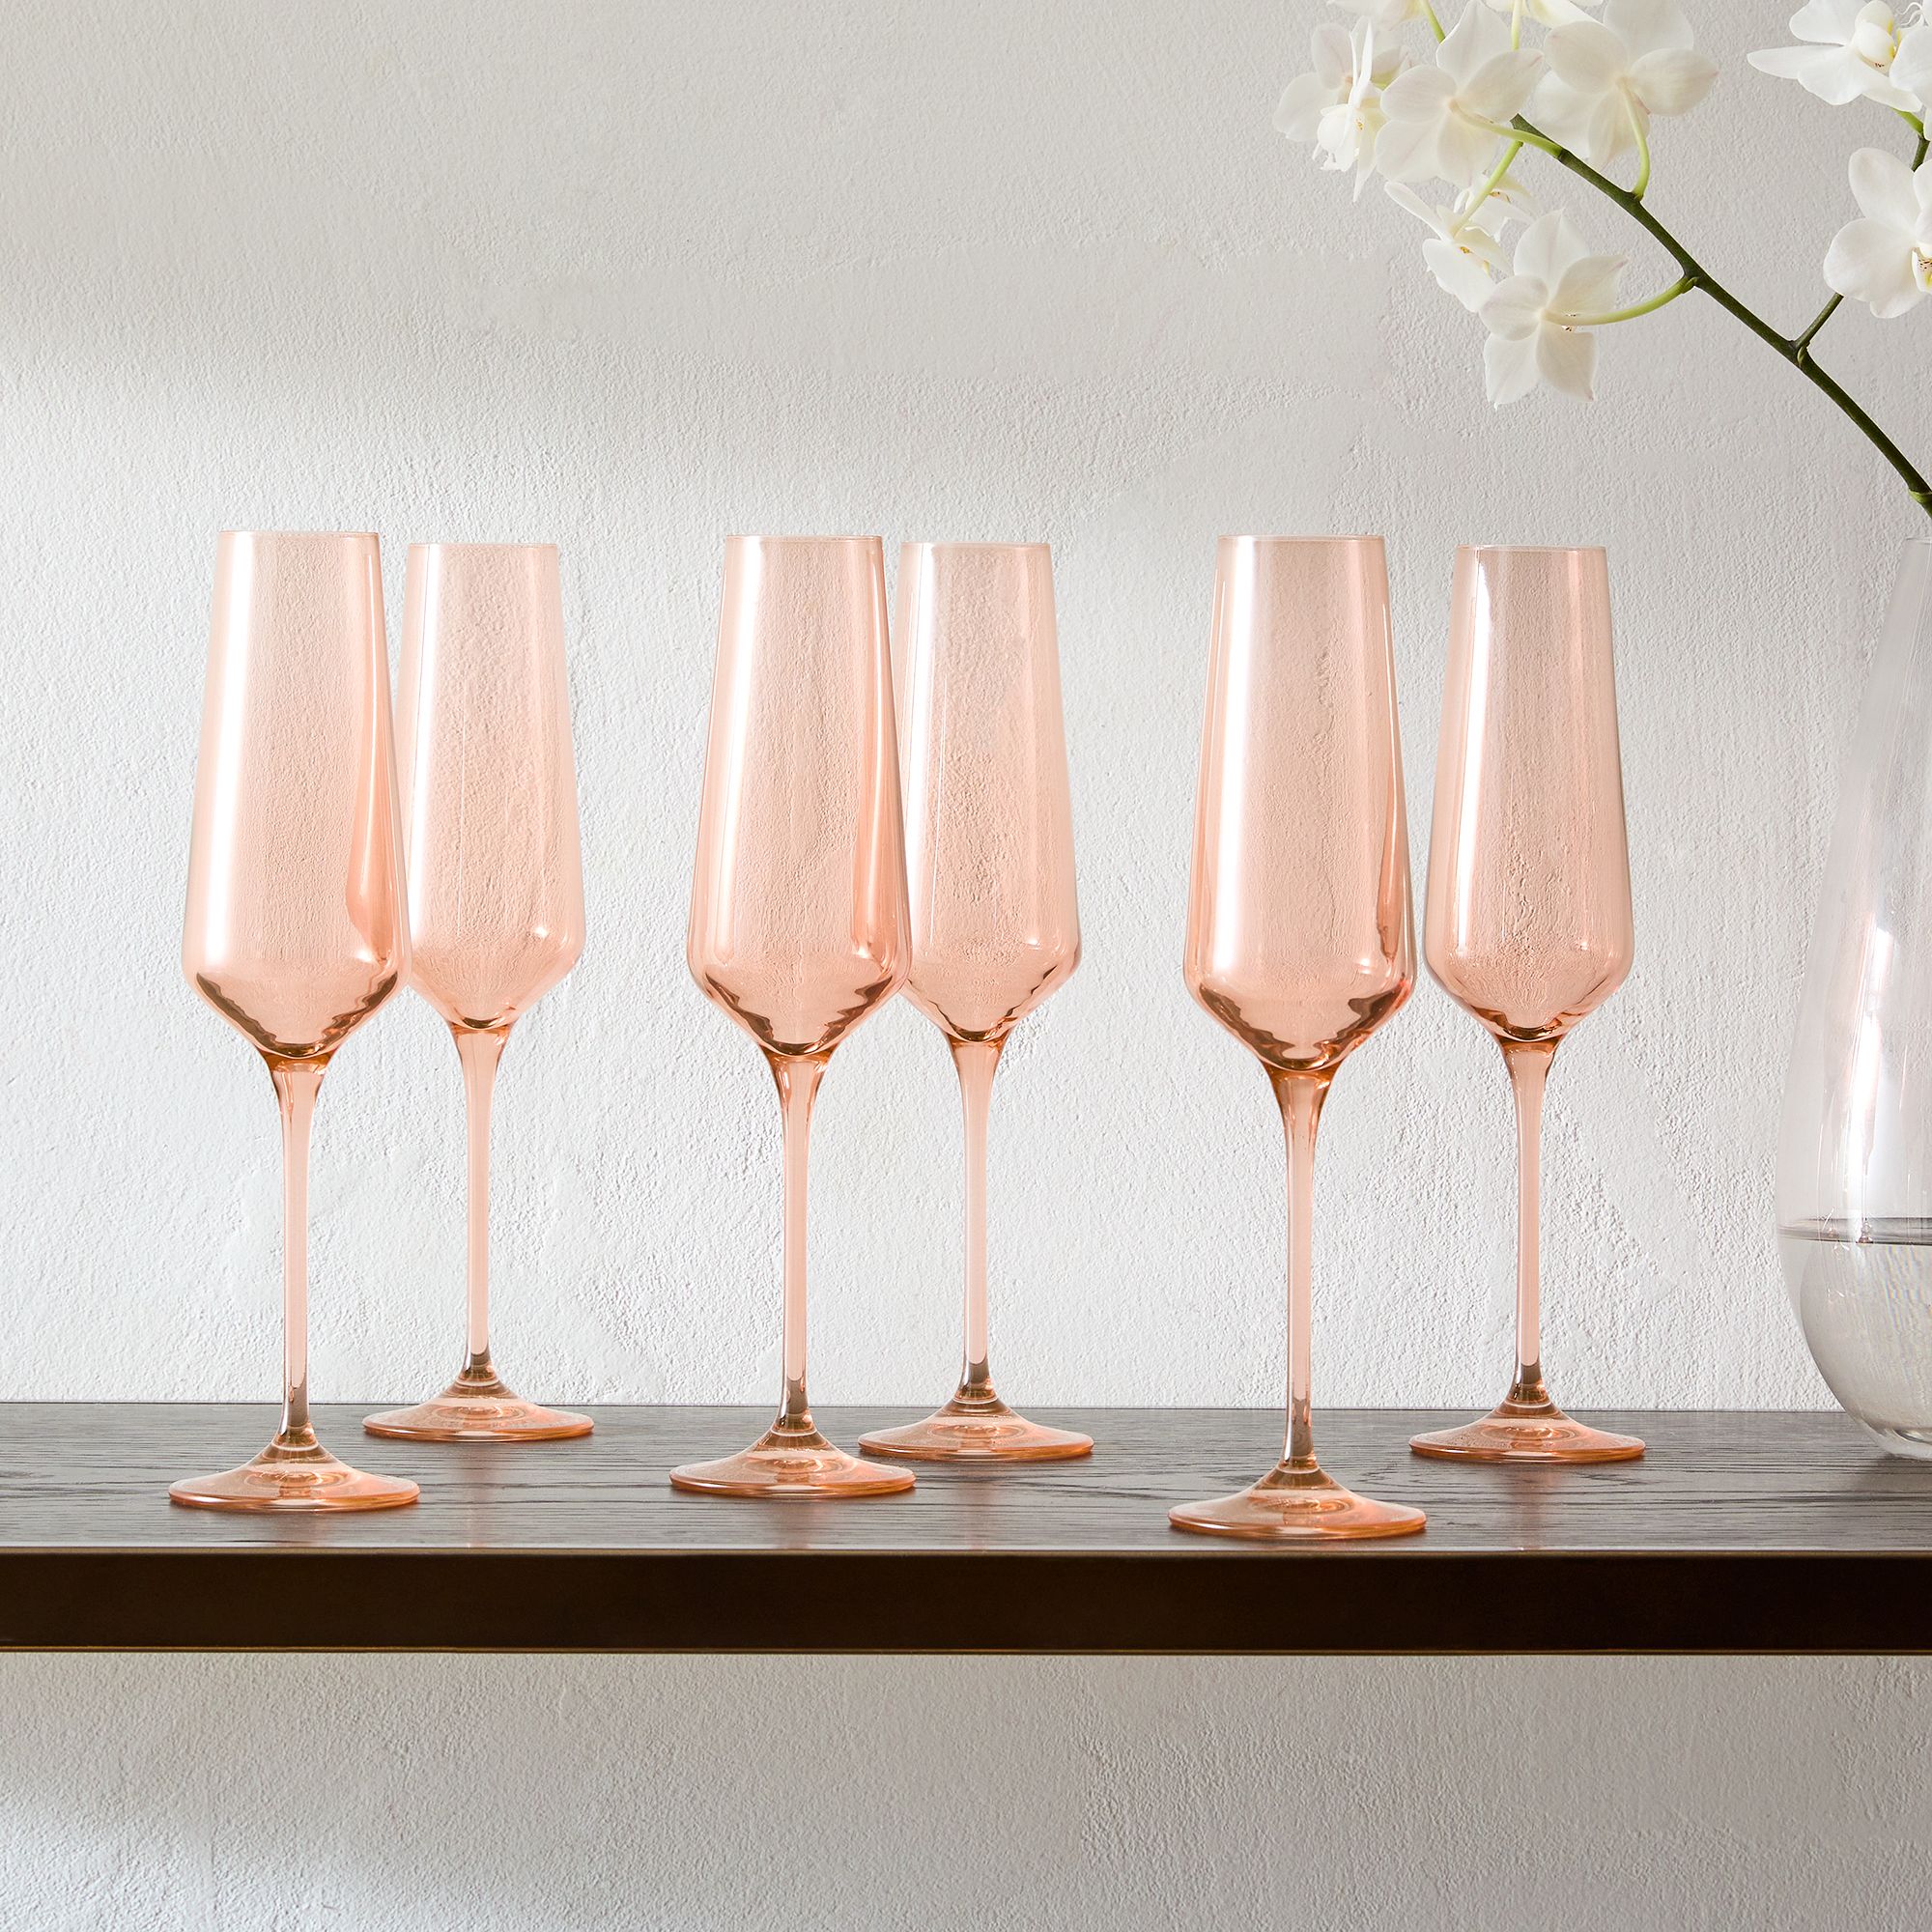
<point x="294" y="1472"/>
<point x="1522" y="1433"/>
<point x="1296" y="1505"/>
<point x="470" y="1411"/>
<point x="978" y="1430"/>
<point x="791" y="1463"/>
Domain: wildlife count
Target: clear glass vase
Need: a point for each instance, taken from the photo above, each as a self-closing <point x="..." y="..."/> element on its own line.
<point x="1854" y="1160"/>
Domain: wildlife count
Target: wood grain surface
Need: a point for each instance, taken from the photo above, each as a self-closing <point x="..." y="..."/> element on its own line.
<point x="1739" y="1532"/>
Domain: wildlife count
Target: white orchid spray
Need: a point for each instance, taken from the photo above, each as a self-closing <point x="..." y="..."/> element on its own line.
<point x="1338" y="106"/>
<point x="1851" y="51"/>
<point x="1886" y="258"/>
<point x="1589" y="98"/>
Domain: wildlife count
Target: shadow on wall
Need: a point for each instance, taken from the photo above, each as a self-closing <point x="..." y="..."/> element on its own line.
<point x="561" y="1795"/>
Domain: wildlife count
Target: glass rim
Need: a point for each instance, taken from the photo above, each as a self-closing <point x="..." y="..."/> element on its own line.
<point x="319" y="536"/>
<point x="439" y="544"/>
<point x="752" y="537"/>
<point x="1359" y="537"/>
<point x="1534" y="549"/>
<point x="973" y="543"/>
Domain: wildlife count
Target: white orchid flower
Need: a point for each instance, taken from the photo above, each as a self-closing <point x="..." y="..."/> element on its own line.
<point x="1517" y="200"/>
<point x="1544" y="13"/>
<point x="1338" y="106"/>
<point x="1387" y="14"/>
<point x="1310" y="95"/>
<point x="1608" y="78"/>
<point x="1501" y="199"/>
<point x="1853" y="44"/>
<point x="1912" y="65"/>
<point x="1442" y="119"/>
<point x="1885" y="258"/>
<point x="1463" y="252"/>
<point x="1538" y="320"/>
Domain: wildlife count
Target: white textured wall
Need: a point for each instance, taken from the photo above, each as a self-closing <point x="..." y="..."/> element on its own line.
<point x="630" y="276"/>
<point x="959" y="1795"/>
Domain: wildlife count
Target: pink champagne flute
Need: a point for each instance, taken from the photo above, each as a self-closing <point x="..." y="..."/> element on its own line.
<point x="989" y="875"/>
<point x="1529" y="921"/>
<point x="294" y="931"/>
<point x="1299" y="937"/>
<point x="798" y="911"/>
<point x="496" y="883"/>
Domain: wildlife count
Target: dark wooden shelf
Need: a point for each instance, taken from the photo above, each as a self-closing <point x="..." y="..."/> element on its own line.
<point x="1740" y="1532"/>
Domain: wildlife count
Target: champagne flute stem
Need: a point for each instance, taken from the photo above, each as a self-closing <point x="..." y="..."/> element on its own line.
<point x="1300" y="1096"/>
<point x="978" y="1060"/>
<point x="1529" y="1063"/>
<point x="798" y="1078"/>
<point x="297" y="1083"/>
<point x="480" y="1049"/>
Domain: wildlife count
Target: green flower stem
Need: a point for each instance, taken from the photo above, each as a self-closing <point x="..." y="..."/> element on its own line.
<point x="1642" y="181"/>
<point x="1818" y="322"/>
<point x="1516" y="25"/>
<point x="1802" y="343"/>
<point x="1434" y="26"/>
<point x="1488" y="188"/>
<point x="1681" y="287"/>
<point x="1794" y="350"/>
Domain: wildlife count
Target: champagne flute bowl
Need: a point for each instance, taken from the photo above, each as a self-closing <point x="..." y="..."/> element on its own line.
<point x="495" y="882"/>
<point x="797" y="912"/>
<point x="989" y="870"/>
<point x="1528" y="922"/>
<point x="1299" y="936"/>
<point x="295" y="930"/>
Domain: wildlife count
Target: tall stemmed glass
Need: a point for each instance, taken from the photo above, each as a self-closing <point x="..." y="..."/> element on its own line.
<point x="1299" y="936"/>
<point x="989" y="873"/>
<point x="295" y="930"/>
<point x="496" y="883"/>
<point x="798" y="916"/>
<point x="1528" y="922"/>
